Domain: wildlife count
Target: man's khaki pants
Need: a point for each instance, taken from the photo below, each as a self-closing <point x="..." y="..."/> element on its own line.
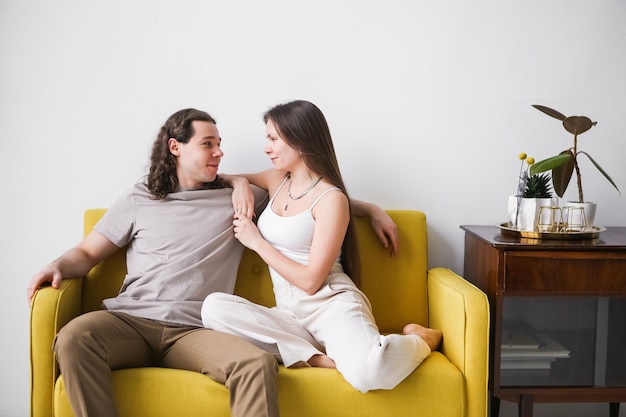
<point x="93" y="344"/>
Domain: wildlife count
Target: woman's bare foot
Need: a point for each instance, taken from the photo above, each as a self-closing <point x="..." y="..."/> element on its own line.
<point x="432" y="337"/>
<point x="321" y="361"/>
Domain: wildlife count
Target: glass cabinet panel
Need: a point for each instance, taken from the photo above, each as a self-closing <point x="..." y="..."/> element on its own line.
<point x="563" y="341"/>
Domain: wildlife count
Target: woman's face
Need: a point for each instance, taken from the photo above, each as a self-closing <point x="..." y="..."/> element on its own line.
<point x="283" y="156"/>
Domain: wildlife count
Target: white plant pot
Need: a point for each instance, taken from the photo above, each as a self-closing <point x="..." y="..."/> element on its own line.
<point x="573" y="217"/>
<point x="526" y="218"/>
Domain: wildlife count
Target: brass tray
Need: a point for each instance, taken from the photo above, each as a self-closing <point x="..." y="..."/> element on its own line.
<point x="589" y="233"/>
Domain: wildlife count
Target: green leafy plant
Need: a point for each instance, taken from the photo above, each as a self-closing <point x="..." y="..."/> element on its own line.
<point x="564" y="164"/>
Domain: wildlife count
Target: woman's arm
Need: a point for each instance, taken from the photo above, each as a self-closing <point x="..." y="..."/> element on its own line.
<point x="383" y="225"/>
<point x="331" y="222"/>
<point x="243" y="203"/>
<point x="243" y="199"/>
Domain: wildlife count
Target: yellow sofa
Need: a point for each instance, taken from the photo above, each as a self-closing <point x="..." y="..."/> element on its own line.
<point x="451" y="382"/>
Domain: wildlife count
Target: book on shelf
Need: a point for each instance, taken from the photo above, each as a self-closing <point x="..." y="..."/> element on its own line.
<point x="526" y="363"/>
<point x="545" y="347"/>
<point x="519" y="338"/>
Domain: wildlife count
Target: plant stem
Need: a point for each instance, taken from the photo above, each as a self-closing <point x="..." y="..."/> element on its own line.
<point x="519" y="193"/>
<point x="580" y="185"/>
<point x="579" y="180"/>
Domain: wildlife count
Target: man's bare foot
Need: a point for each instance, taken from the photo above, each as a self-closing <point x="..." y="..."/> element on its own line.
<point x="432" y="337"/>
<point x="322" y="361"/>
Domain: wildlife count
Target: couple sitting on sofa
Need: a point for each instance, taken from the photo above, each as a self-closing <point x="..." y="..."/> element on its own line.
<point x="179" y="230"/>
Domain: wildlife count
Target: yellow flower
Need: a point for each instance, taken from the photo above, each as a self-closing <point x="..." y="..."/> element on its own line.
<point x="530" y="186"/>
<point x="523" y="174"/>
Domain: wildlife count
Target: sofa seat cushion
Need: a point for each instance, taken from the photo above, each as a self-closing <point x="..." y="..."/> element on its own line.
<point x="158" y="392"/>
<point x="436" y="387"/>
<point x="303" y="392"/>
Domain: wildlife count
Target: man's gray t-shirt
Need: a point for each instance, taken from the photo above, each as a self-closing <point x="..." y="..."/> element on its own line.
<point x="180" y="249"/>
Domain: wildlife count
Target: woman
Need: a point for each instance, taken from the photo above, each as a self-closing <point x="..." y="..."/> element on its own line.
<point x="306" y="236"/>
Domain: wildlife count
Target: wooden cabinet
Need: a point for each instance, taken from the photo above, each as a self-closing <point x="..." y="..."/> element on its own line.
<point x="562" y="304"/>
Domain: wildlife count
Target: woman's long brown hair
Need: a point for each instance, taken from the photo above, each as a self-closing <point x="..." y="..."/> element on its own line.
<point x="303" y="126"/>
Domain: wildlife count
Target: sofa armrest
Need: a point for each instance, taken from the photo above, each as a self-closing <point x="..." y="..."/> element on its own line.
<point x="50" y="310"/>
<point x="461" y="311"/>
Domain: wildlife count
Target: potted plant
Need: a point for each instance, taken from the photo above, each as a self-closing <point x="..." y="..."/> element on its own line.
<point x="533" y="192"/>
<point x="565" y="164"/>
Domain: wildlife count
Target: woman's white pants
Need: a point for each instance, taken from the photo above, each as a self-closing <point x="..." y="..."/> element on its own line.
<point x="336" y="320"/>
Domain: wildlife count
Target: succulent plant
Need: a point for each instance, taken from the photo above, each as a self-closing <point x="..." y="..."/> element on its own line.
<point x="538" y="186"/>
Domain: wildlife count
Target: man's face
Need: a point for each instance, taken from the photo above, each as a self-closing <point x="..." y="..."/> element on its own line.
<point x="198" y="161"/>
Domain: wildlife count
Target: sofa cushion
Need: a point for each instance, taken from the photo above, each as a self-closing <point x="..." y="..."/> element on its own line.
<point x="303" y="392"/>
<point x="435" y="388"/>
<point x="159" y="391"/>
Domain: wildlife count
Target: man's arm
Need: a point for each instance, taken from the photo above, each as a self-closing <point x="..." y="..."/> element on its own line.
<point x="383" y="225"/>
<point x="76" y="262"/>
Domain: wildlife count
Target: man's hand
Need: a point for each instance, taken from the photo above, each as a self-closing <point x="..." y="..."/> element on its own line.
<point x="49" y="273"/>
<point x="75" y="262"/>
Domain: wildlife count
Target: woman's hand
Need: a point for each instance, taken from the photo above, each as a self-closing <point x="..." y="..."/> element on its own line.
<point x="243" y="199"/>
<point x="386" y="230"/>
<point x="384" y="227"/>
<point x="246" y="231"/>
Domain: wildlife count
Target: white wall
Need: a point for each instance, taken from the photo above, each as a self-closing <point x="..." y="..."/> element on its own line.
<point x="428" y="102"/>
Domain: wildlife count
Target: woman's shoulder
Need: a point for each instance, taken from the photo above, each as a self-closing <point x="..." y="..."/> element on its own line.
<point x="325" y="186"/>
<point x="329" y="195"/>
<point x="274" y="179"/>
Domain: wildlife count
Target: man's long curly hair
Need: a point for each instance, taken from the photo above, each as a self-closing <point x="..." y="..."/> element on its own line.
<point x="162" y="178"/>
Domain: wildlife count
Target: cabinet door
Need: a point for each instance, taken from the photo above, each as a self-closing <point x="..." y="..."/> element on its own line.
<point x="563" y="341"/>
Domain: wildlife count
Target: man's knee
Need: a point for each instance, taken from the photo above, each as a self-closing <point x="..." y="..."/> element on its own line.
<point x="268" y="362"/>
<point x="83" y="335"/>
<point x="260" y="366"/>
<point x="260" y="359"/>
<point x="69" y="339"/>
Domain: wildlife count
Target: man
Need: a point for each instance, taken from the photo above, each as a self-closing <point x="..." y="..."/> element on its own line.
<point x="181" y="247"/>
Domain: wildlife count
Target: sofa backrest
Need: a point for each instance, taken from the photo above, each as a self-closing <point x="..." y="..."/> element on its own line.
<point x="396" y="286"/>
